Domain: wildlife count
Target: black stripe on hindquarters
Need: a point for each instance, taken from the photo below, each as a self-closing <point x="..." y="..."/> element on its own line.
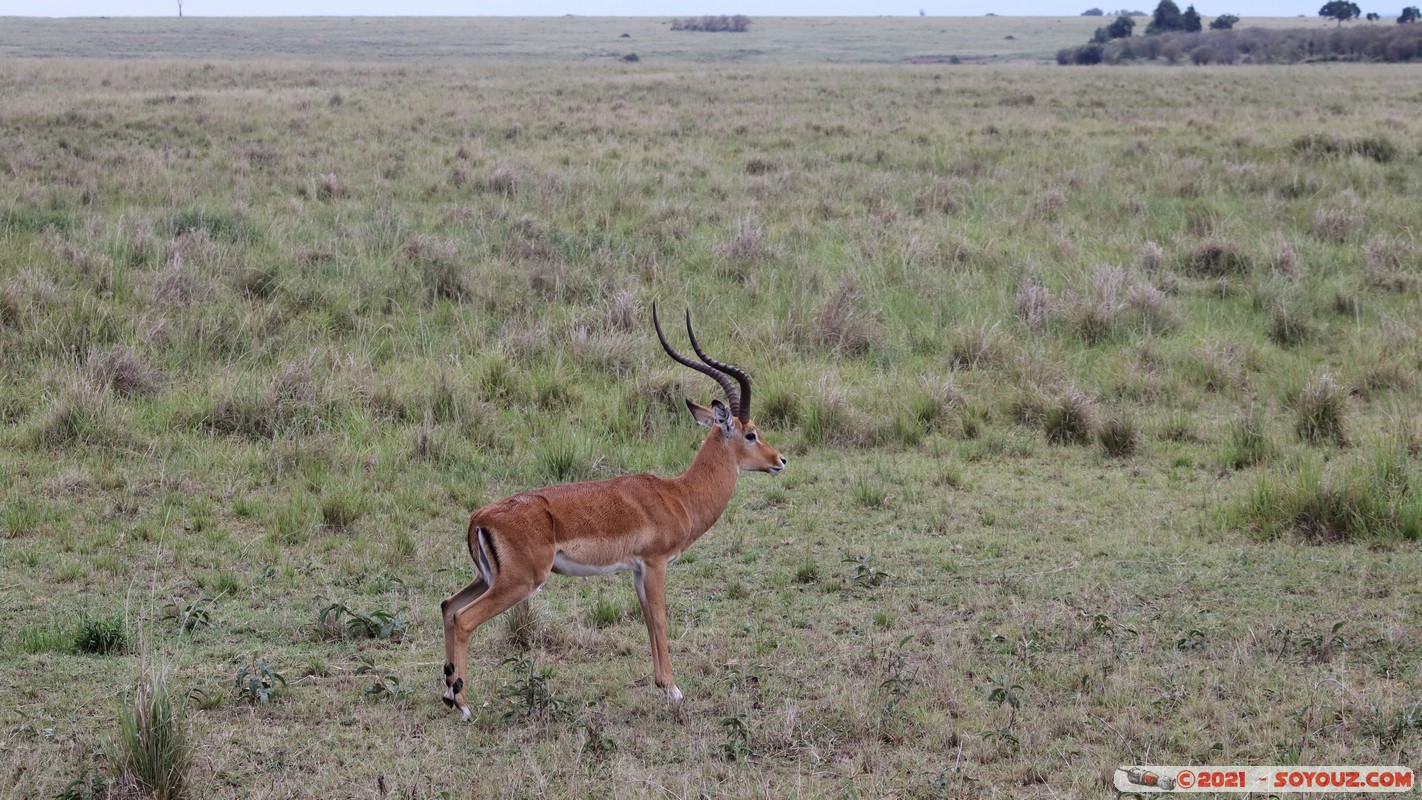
<point x="493" y="551"/>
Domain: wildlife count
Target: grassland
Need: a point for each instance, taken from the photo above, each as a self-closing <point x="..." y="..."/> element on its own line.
<point x="431" y="40"/>
<point x="1099" y="391"/>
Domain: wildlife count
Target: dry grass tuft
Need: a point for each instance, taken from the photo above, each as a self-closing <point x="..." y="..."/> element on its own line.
<point x="843" y="325"/>
<point x="625" y="312"/>
<point x="330" y="186"/>
<point x="1289" y="325"/>
<point x="1035" y="304"/>
<point x="1341" y="220"/>
<point x="937" y="198"/>
<point x="976" y="347"/>
<point x="82" y="415"/>
<point x="1151" y="256"/>
<point x="181" y="286"/>
<point x="1320" y="409"/>
<point x="503" y="180"/>
<point x="1118" y="436"/>
<point x="1070" y="419"/>
<point x="442" y="273"/>
<point x="745" y="250"/>
<point x="1216" y="258"/>
<point x="122" y="371"/>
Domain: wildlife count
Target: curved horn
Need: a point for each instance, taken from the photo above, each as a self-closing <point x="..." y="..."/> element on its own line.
<point x="741" y="410"/>
<point x="704" y="369"/>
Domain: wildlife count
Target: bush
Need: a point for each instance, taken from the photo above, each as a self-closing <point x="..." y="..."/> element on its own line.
<point x="738" y="23"/>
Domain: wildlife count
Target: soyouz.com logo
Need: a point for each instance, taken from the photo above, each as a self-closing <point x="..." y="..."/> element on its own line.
<point x="1177" y="779"/>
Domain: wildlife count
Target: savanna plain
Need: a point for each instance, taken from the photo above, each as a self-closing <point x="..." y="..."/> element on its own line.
<point x="1098" y="389"/>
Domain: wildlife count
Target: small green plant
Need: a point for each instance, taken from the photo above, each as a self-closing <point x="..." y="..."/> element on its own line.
<point x="737" y="745"/>
<point x="91" y="786"/>
<point x="1194" y="640"/>
<point x="898" y="680"/>
<point x="152" y="749"/>
<point x="189" y="617"/>
<point x="1318" y="647"/>
<point x="385" y="687"/>
<point x="258" y="683"/>
<point x="102" y="636"/>
<point x="865" y="573"/>
<point x="528" y="691"/>
<point x="1289" y="326"/>
<point x="597" y="742"/>
<point x="563" y="459"/>
<point x="378" y="624"/>
<point x="206" y="700"/>
<point x="1003" y="693"/>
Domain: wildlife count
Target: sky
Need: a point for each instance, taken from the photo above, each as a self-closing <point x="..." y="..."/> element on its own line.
<point x="621" y="8"/>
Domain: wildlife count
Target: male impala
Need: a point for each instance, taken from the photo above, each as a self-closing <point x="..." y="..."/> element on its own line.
<point x="635" y="522"/>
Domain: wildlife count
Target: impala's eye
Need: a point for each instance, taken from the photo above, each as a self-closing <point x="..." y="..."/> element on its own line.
<point x="750" y="436"/>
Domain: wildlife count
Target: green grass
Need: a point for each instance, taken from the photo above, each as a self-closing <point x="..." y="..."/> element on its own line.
<point x="272" y="327"/>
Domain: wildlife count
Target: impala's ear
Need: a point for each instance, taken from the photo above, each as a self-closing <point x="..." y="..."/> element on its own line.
<point x="717" y="415"/>
<point x="722" y="416"/>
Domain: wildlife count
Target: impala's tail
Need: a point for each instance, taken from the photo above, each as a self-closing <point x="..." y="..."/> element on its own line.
<point x="484" y="553"/>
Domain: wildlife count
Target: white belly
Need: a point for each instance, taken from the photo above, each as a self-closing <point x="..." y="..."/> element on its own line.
<point x="566" y="566"/>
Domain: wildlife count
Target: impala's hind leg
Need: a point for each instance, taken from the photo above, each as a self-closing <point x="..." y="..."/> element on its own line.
<point x="506" y="592"/>
<point x="448" y="608"/>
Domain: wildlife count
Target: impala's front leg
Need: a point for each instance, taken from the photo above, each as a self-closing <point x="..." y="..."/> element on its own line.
<point x="651" y="580"/>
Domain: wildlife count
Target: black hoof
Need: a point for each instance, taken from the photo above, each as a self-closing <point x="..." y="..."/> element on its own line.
<point x="449" y="701"/>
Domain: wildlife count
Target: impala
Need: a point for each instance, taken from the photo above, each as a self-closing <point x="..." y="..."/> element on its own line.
<point x="638" y="522"/>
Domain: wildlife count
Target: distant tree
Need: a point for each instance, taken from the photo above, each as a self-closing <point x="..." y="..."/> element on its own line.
<point x="1190" y="20"/>
<point x="1224" y="22"/>
<point x="1093" y="12"/>
<point x="1100" y="36"/>
<point x="1165" y="19"/>
<point x="1409" y="14"/>
<point x="1121" y="28"/>
<point x="1341" y="10"/>
<point x="180" y="8"/>
<point x="1372" y="16"/>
